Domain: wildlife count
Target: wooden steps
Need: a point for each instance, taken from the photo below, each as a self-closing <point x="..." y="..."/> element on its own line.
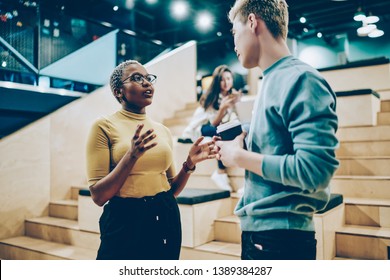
<point x="66" y="209"/>
<point x="362" y="186"/>
<point x="363" y="242"/>
<point x="364" y="133"/>
<point x="367" y="212"/>
<point x="364" y="148"/>
<point x="28" y="248"/>
<point x="384" y="118"/>
<point x="61" y="231"/>
<point x="214" y="250"/>
<point x="363" y="179"/>
<point x="364" y="166"/>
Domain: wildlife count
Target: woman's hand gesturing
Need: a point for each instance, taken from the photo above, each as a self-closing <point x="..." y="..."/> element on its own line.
<point x="200" y="152"/>
<point x="139" y="142"/>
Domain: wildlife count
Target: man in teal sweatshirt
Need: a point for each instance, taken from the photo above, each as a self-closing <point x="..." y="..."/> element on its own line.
<point x="290" y="158"/>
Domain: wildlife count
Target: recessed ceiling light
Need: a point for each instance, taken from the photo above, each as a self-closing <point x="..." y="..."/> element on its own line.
<point x="204" y="21"/>
<point x="179" y="9"/>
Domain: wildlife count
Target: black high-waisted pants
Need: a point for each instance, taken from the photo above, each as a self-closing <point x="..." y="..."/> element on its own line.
<point x="146" y="228"/>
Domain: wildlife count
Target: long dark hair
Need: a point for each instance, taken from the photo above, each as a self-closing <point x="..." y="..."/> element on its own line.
<point x="210" y="97"/>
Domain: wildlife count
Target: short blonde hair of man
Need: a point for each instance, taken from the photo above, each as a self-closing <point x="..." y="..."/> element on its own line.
<point x="273" y="12"/>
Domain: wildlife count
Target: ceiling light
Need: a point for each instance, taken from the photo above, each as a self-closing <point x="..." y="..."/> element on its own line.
<point x="371" y="19"/>
<point x="158" y="42"/>
<point x="115" y="8"/>
<point x="359" y="15"/>
<point x="366" y="29"/>
<point x="129" y="4"/>
<point x="204" y="21"/>
<point x="302" y="19"/>
<point x="151" y="2"/>
<point x="319" y="35"/>
<point x="305" y="30"/>
<point x="56" y="32"/>
<point x="179" y="9"/>
<point x="376" y="33"/>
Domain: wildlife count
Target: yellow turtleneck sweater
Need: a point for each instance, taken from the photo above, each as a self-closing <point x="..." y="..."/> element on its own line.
<point x="110" y="138"/>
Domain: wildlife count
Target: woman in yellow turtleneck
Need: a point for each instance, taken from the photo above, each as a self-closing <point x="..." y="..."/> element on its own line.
<point x="130" y="165"/>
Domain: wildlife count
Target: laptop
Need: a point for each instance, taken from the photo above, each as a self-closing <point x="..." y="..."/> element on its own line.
<point x="244" y="108"/>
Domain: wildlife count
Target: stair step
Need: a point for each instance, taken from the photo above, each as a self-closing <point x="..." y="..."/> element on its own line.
<point x="205" y="182"/>
<point x="28" y="248"/>
<point x="364" y="133"/>
<point x="385" y="106"/>
<point x="364" y="148"/>
<point x="185" y="113"/>
<point x="367" y="212"/>
<point x="367" y="201"/>
<point x="62" y="231"/>
<point x="364" y="166"/>
<point x="227" y="229"/>
<point x="66" y="209"/>
<point x="192" y="105"/>
<point x="363" y="242"/>
<point x="384" y="94"/>
<point x="383" y="232"/>
<point x="214" y="250"/>
<point x="177" y="121"/>
<point x="362" y="186"/>
<point x="75" y="191"/>
<point x="384" y="118"/>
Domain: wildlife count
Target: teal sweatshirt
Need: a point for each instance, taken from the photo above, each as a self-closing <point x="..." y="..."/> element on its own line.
<point x="293" y="125"/>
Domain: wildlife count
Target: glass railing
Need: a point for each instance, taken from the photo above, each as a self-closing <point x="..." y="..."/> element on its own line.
<point x="32" y="40"/>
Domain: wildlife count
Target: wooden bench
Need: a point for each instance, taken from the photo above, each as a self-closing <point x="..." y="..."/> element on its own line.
<point x="199" y="208"/>
<point x="327" y="222"/>
<point x="357" y="107"/>
<point x="88" y="212"/>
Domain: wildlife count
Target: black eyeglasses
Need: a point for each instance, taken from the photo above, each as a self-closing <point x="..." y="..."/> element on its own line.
<point x="139" y="78"/>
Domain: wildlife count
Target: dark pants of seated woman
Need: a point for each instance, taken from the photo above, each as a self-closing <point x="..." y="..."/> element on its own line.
<point x="210" y="131"/>
<point x="145" y="228"/>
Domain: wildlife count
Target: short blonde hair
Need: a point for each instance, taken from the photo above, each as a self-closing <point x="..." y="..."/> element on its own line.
<point x="273" y="12"/>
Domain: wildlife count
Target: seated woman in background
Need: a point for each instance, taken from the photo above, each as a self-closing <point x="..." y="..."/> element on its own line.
<point x="217" y="107"/>
<point x="130" y="165"/>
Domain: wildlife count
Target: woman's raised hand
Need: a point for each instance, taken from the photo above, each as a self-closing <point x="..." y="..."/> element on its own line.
<point x="139" y="142"/>
<point x="200" y="152"/>
<point x="227" y="101"/>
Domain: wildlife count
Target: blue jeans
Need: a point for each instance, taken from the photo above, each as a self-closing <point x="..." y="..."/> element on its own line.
<point x="278" y="245"/>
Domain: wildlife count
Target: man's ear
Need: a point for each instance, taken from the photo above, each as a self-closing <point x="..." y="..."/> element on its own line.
<point x="252" y="21"/>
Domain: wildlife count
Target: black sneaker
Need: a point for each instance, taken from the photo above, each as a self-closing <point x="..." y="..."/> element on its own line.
<point x="185" y="140"/>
